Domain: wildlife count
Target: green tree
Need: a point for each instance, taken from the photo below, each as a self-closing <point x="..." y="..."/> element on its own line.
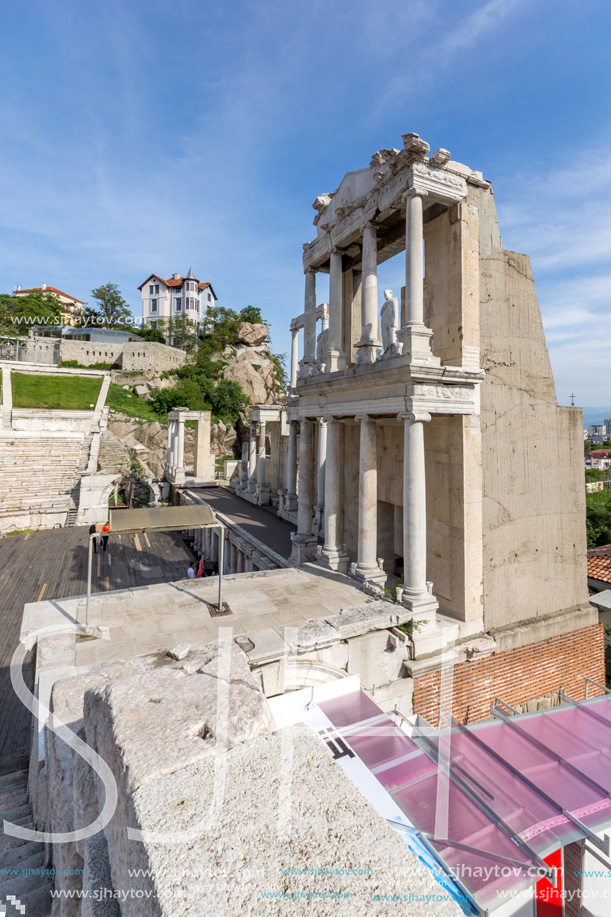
<point x="20" y="313"/>
<point x="598" y="518"/>
<point x="110" y="309"/>
<point x="253" y="314"/>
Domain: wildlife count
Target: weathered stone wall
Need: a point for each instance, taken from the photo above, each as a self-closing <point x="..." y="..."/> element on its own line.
<point x="141" y="356"/>
<point x="89" y="352"/>
<point x="534" y="533"/>
<point x="133" y="356"/>
<point x="518" y="675"/>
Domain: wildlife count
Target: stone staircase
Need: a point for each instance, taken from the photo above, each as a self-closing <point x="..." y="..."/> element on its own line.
<point x="22" y="882"/>
<point x="39" y="473"/>
<point x="114" y="456"/>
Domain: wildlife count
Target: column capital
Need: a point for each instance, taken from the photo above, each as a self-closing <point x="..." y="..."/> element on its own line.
<point x="414" y="192"/>
<point x="365" y="417"/>
<point x="414" y="416"/>
<point x="309" y="270"/>
<point x="321" y="420"/>
<point x="330" y="418"/>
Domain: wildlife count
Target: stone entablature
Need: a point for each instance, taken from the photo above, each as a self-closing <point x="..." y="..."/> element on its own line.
<point x="435" y="390"/>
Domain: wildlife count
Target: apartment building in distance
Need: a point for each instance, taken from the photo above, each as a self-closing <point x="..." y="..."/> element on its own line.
<point x="72" y="306"/>
<point x="175" y="297"/>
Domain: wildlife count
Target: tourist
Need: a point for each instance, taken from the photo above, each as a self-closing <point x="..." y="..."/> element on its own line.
<point x="105" y="529"/>
<point x="200" y="568"/>
<point x="191" y="572"/>
<point x="92" y="530"/>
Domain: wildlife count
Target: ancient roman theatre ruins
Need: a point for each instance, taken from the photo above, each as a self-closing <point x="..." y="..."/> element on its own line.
<point x="436" y="449"/>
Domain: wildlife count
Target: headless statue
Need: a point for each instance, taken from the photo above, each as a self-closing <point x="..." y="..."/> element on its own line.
<point x="389" y="316"/>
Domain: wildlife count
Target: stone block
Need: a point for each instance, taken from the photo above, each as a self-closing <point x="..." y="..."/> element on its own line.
<point x="270" y="819"/>
<point x="314" y="635"/>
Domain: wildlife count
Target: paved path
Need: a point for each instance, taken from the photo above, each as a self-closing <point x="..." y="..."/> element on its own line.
<point x="52" y="565"/>
<point x="259" y="522"/>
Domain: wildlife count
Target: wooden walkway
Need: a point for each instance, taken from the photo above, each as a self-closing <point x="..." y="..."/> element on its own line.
<point x="53" y="565"/>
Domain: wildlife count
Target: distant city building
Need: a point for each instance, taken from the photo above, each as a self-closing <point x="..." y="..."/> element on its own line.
<point x="608" y="427"/>
<point x="175" y="297"/>
<point x="598" y="429"/>
<point x="73" y="305"/>
<point x="598" y="458"/>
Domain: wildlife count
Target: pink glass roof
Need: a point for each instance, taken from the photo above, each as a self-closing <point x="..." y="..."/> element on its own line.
<point x="500" y="788"/>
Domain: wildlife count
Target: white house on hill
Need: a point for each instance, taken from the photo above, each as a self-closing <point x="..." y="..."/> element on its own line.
<point x="175" y="297"/>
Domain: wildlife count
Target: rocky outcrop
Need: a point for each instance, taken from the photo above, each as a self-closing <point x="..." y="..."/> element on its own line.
<point x="251" y="364"/>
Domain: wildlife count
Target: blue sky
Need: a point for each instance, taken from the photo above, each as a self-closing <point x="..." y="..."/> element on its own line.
<point x="145" y="137"/>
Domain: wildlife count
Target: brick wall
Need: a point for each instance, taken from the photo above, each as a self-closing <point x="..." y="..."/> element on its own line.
<point x="517" y="675"/>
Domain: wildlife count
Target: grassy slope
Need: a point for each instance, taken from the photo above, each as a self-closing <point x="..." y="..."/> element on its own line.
<point x="130" y="404"/>
<point x="66" y="393"/>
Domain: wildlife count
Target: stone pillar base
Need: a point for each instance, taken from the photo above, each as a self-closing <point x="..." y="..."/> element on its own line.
<point x="252" y="487"/>
<point x="304" y="548"/>
<point x="290" y="503"/>
<point x="263" y="494"/>
<point x="336" y="360"/>
<point x="367" y="352"/>
<point x="427" y="638"/>
<point x="335" y="558"/>
<point x="369" y="575"/>
<point x="415" y="342"/>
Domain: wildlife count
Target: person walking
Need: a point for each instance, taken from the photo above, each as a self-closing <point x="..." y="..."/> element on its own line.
<point x="191" y="572"/>
<point x="105" y="530"/>
<point x="200" y="568"/>
<point x="92" y="530"/>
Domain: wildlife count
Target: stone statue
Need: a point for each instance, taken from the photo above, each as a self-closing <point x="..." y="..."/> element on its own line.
<point x="322" y="349"/>
<point x="389" y="316"/>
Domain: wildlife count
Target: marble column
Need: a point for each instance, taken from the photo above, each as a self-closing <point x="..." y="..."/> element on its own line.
<point x="263" y="488"/>
<point x="294" y="354"/>
<point x="168" y="452"/>
<point x="369" y="344"/>
<point x="252" y="458"/>
<point x="320" y="468"/>
<point x="304" y="542"/>
<point x="414" y="337"/>
<point x="416" y="593"/>
<point x="333" y="553"/>
<point x="179" y="475"/>
<point x="367" y="557"/>
<point x="336" y="358"/>
<point x="244" y="467"/>
<point x="261" y="453"/>
<point x="309" y="332"/>
<point x="291" y="469"/>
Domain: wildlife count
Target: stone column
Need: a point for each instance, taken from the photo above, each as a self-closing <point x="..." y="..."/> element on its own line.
<point x="336" y="358"/>
<point x="294" y="354"/>
<point x="291" y="469"/>
<point x="416" y="593"/>
<point x="168" y="452"/>
<point x="333" y="553"/>
<point x="248" y="565"/>
<point x="203" y="460"/>
<point x="240" y="561"/>
<point x="179" y="474"/>
<point x="304" y="542"/>
<point x="309" y="331"/>
<point x="414" y="337"/>
<point x="252" y="458"/>
<point x="367" y="558"/>
<point x="263" y="489"/>
<point x="320" y="467"/>
<point x="261" y="454"/>
<point x="369" y="343"/>
<point x="244" y="467"/>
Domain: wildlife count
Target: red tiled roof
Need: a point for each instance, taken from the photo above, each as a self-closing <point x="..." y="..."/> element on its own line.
<point x="599" y="564"/>
<point x="48" y="290"/>
<point x="176" y="283"/>
<point x="600" y="453"/>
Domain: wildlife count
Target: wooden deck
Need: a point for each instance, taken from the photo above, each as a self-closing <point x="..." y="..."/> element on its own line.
<point x="51" y="565"/>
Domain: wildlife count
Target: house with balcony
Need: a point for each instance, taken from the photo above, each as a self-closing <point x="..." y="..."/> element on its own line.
<point x="175" y="298"/>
